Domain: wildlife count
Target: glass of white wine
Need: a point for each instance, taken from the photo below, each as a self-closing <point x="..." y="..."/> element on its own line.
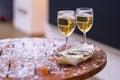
<point x="84" y="20"/>
<point x="66" y="22"/>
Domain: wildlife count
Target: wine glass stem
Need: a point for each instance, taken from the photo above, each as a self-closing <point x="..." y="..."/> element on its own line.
<point x="66" y="40"/>
<point x="85" y="41"/>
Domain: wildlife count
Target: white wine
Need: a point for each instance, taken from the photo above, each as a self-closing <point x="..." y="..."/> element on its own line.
<point x="84" y="23"/>
<point x="66" y="26"/>
<point x="84" y="20"/>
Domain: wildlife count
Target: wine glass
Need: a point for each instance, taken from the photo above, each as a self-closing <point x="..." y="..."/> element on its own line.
<point x="66" y="22"/>
<point x="84" y="20"/>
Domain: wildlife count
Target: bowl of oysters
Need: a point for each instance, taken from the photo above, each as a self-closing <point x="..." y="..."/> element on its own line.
<point x="75" y="55"/>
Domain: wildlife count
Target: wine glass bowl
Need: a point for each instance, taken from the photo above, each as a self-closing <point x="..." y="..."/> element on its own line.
<point x="66" y="22"/>
<point x="84" y="20"/>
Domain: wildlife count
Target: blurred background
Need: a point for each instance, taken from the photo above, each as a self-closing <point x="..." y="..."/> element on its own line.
<point x="31" y="18"/>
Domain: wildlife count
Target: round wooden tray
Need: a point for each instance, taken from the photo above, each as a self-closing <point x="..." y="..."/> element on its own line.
<point x="82" y="71"/>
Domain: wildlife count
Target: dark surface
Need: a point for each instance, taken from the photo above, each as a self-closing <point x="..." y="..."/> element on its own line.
<point x="106" y="19"/>
<point x="6" y="10"/>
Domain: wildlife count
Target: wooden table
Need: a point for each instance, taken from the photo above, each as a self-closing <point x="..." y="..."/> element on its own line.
<point x="83" y="71"/>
